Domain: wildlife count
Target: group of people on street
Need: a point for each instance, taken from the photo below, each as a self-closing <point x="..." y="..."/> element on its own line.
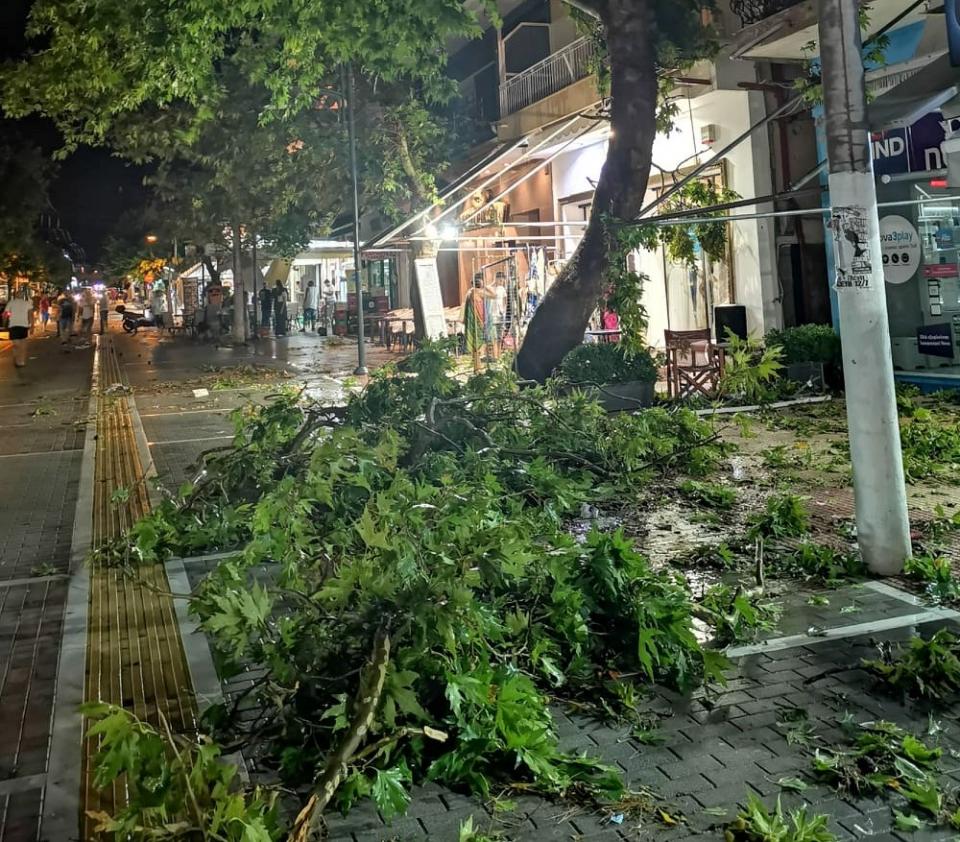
<point x="316" y="307"/>
<point x="274" y="307"/>
<point x="26" y="314"/>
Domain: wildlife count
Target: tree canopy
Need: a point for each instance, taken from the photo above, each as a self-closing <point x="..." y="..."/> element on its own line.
<point x="236" y="102"/>
<point x="25" y="174"/>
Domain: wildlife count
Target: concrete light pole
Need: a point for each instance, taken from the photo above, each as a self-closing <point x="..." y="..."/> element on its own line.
<point x="883" y="530"/>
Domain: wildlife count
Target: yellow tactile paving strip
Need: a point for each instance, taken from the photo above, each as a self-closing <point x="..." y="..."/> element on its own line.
<point x="135" y="656"/>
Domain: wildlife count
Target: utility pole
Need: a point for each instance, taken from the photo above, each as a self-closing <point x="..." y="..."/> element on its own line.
<point x="883" y="530"/>
<point x="355" y="178"/>
<point x="239" y="302"/>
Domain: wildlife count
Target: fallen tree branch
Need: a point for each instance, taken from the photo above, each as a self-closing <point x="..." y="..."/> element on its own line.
<point x="307" y="826"/>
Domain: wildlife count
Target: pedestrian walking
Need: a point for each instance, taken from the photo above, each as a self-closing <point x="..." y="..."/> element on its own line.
<point x="266" y="307"/>
<point x="87" y="307"/>
<point x="65" y="317"/>
<point x="279" y="309"/>
<point x="19" y="314"/>
<point x="103" y="302"/>
<point x="311" y="299"/>
<point x="44" y="311"/>
<point x="329" y="306"/>
<point x="159" y="308"/>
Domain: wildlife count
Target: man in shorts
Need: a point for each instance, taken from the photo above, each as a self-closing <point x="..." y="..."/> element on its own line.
<point x="20" y="310"/>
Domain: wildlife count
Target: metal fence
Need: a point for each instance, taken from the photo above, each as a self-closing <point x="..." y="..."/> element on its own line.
<point x="754" y="11"/>
<point x="546" y="77"/>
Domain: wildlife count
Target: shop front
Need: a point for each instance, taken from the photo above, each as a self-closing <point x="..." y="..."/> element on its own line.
<point x="915" y="110"/>
<point x="920" y="241"/>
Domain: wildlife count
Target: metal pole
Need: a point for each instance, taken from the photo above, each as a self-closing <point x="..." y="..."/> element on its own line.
<point x="239" y="310"/>
<point x="883" y="529"/>
<point x="256" y="305"/>
<point x="352" y="133"/>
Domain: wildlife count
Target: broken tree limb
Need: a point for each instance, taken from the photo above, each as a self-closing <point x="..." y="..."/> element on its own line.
<point x="307" y="825"/>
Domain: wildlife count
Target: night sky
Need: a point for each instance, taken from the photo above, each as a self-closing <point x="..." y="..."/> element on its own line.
<point x="93" y="190"/>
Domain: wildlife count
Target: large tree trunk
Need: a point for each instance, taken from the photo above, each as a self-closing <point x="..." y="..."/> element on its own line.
<point x="239" y="298"/>
<point x="212" y="270"/>
<point x="562" y="316"/>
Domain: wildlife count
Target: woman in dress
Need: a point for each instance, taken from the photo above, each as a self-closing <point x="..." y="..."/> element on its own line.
<point x="474" y="318"/>
<point x="280" y="309"/>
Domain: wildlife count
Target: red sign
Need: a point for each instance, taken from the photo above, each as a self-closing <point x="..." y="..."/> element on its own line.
<point x="940" y="270"/>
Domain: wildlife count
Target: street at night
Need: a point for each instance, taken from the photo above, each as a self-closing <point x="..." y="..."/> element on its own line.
<point x="479" y="421"/>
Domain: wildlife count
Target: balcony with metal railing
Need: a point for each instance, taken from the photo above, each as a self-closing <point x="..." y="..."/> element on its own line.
<point x="754" y="11"/>
<point x="546" y="77"/>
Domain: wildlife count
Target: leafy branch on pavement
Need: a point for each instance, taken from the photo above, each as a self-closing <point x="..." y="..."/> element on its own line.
<point x="175" y="787"/>
<point x="757" y="823"/>
<point x="441" y="509"/>
<point x="884" y="759"/>
<point x="926" y="668"/>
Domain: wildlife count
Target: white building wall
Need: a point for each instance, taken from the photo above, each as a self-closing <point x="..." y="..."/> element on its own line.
<point x="667" y="296"/>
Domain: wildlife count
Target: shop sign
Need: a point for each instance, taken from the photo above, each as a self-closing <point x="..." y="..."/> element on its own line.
<point x="899" y="249"/>
<point x="430" y="297"/>
<point x="912" y="149"/>
<point x="935" y="340"/>
<point x="940" y="270"/>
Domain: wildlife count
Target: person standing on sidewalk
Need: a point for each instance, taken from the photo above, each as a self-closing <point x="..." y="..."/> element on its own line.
<point x="87" y="306"/>
<point x="44" y="311"/>
<point x="279" y="309"/>
<point x="104" y="303"/>
<point x="266" y="306"/>
<point x="20" y="310"/>
<point x="311" y="299"/>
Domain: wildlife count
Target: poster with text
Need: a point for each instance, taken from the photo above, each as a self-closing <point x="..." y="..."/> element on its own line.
<point x="431" y="299"/>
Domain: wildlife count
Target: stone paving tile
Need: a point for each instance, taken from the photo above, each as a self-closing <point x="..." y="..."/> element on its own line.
<point x="30" y="624"/>
<point x="20" y="815"/>
<point x="38" y="496"/>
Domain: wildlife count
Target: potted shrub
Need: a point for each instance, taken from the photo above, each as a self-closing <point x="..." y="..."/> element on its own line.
<point x="621" y="380"/>
<point x="811" y="353"/>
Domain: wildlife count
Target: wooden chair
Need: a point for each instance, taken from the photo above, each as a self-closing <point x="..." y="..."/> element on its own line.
<point x="694" y="363"/>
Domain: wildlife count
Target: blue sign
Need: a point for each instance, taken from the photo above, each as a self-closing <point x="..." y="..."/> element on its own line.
<point x="914" y="148"/>
<point x="935" y="340"/>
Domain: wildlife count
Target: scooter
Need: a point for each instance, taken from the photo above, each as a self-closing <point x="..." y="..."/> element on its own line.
<point x="133" y="321"/>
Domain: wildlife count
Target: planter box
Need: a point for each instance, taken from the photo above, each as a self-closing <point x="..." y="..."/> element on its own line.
<point x="621" y="397"/>
<point x="807" y="373"/>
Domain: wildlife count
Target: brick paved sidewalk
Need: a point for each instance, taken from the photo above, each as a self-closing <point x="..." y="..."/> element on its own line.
<point x="43" y="411"/>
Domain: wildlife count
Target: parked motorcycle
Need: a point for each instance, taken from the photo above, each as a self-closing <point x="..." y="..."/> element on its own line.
<point x="133" y="321"/>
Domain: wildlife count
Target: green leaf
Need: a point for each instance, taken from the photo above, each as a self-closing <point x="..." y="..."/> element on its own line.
<point x="924" y="795"/>
<point x="368" y="532"/>
<point x="908" y="823"/>
<point x="793" y="784"/>
<point x="389" y="791"/>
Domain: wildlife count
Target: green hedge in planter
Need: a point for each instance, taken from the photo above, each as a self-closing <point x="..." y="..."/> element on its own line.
<point x="806" y="344"/>
<point x="606" y="362"/>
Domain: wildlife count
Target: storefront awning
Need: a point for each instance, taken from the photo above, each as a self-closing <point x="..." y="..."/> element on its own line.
<point x="537" y="143"/>
<point x="926" y="90"/>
